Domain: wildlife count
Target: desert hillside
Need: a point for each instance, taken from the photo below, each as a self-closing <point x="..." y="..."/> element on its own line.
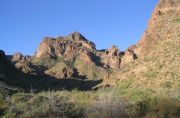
<point x="67" y="77"/>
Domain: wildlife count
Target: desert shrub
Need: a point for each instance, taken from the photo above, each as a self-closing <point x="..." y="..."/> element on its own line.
<point x="147" y="59"/>
<point x="104" y="103"/>
<point x="3" y="102"/>
<point x="21" y="97"/>
<point x="177" y="20"/>
<point x="166" y="84"/>
<point x="81" y="98"/>
<point x="42" y="105"/>
<point x="137" y="95"/>
<point x="122" y="87"/>
<point x="155" y="107"/>
<point x="126" y="83"/>
<point x="151" y="74"/>
<point x="106" y="106"/>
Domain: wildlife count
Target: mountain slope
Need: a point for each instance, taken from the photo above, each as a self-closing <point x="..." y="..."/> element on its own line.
<point x="66" y="57"/>
<point x="154" y="58"/>
<point x="10" y="76"/>
<point x="158" y="65"/>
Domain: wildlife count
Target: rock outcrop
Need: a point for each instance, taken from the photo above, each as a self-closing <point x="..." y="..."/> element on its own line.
<point x="65" y="47"/>
<point x="111" y="58"/>
<point x="24" y="64"/>
<point x="60" y="57"/>
<point x="17" y="57"/>
<point x="11" y="75"/>
<point x="129" y="56"/>
<point x="161" y="25"/>
<point x="74" y="56"/>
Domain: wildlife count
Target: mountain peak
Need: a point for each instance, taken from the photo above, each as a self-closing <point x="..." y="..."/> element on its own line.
<point x="64" y="46"/>
<point x="76" y="36"/>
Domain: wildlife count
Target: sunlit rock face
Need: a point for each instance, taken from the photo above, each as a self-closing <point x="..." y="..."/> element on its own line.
<point x="163" y="25"/>
<point x="129" y="56"/>
<point x="111" y="58"/>
<point x="65" y="47"/>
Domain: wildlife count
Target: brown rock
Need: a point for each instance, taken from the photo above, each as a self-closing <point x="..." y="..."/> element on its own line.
<point x="111" y="58"/>
<point x="17" y="57"/>
<point x="65" y="47"/>
<point x="128" y="57"/>
<point x="85" y="56"/>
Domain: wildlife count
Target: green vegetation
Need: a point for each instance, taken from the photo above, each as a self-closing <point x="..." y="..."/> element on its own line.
<point x="40" y="105"/>
<point x="151" y="74"/>
<point x="91" y="70"/>
<point x="177" y="20"/>
<point x="145" y="88"/>
<point x="121" y="101"/>
<point x="46" y="61"/>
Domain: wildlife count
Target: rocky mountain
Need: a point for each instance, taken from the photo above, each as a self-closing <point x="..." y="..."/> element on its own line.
<point x="158" y="52"/>
<point x="74" y="56"/>
<point x="163" y="25"/>
<point x="68" y="77"/>
<point x="70" y="56"/>
<point x="11" y="75"/>
<point x="65" y="47"/>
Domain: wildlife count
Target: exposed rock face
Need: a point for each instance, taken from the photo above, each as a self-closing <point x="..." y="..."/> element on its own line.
<point x="68" y="49"/>
<point x="17" y="57"/>
<point x="75" y="56"/>
<point x="27" y="67"/>
<point x="111" y="58"/>
<point x="129" y="56"/>
<point x="161" y="25"/>
<point x="62" y="57"/>
<point x="24" y="64"/>
<point x="85" y="56"/>
<point x="71" y="56"/>
<point x="65" y="47"/>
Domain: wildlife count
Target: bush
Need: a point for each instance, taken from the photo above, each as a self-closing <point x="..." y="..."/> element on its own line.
<point x="151" y="74"/>
<point x="106" y="106"/>
<point x="42" y="105"/>
<point x="104" y="103"/>
<point x="177" y="20"/>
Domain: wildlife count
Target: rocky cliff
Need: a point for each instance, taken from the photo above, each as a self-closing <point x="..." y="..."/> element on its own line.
<point x="74" y="56"/>
<point x="158" y="52"/>
<point x="70" y="56"/>
<point x="162" y="25"/>
<point x="65" y="47"/>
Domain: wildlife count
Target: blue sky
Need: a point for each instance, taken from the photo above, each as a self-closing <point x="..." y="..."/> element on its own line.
<point x="24" y="23"/>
